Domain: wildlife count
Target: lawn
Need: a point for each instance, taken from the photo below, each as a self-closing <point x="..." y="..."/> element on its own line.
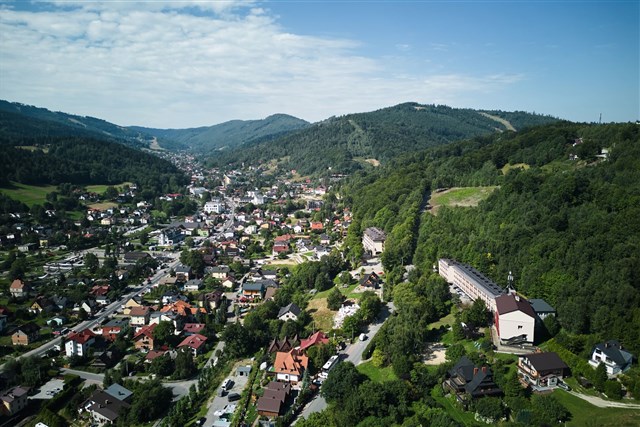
<point x="28" y="194"/>
<point x="460" y="196"/>
<point x="585" y="414"/>
<point x="452" y="408"/>
<point x="322" y="316"/>
<point x="445" y="321"/>
<point x="101" y="188"/>
<point x="103" y="206"/>
<point x="375" y="374"/>
<point x="506" y="168"/>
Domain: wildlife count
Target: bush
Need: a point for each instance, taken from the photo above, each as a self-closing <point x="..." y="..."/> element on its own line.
<point x="613" y="390"/>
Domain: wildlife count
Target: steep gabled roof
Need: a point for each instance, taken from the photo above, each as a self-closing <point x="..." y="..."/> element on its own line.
<point x="613" y="350"/>
<point x="291" y="308"/>
<point x="545" y="361"/>
<point x="317" y="338"/>
<point x="509" y="303"/>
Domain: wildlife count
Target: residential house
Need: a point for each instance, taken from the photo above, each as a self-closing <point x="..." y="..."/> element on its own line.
<point x="210" y="300"/>
<point x="290" y="312"/>
<point x="135" y="256"/>
<point x="370" y="281"/>
<point x="140" y="315"/>
<point x="615" y="358"/>
<point x="467" y="378"/>
<point x="89" y="306"/>
<point x="78" y="343"/>
<point x="170" y="237"/>
<point x="541" y="371"/>
<point x="219" y="272"/>
<point x="119" y="392"/>
<point x="290" y="366"/>
<point x="229" y="282"/>
<point x="183" y="273"/>
<point x="42" y="304"/>
<point x="253" y="290"/>
<point x="192" y="328"/>
<point x="373" y="240"/>
<point x="271" y="403"/>
<point x="19" y="289"/>
<point x="282" y="345"/>
<point x="470" y="281"/>
<point x="143" y="339"/>
<point x="61" y="302"/>
<point x="196" y="343"/>
<point x="193" y="285"/>
<point x="113" y="328"/>
<point x="324" y="239"/>
<point x="177" y="319"/>
<point x="270" y="294"/>
<point x="103" y="407"/>
<point x="542" y="308"/>
<point x="103" y="300"/>
<point x="316" y="226"/>
<point x="14" y="400"/>
<point x="318" y="338"/>
<point x="26" y="334"/>
<point x="514" y="319"/>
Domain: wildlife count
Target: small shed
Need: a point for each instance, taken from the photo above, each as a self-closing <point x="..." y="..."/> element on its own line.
<point x="243" y="371"/>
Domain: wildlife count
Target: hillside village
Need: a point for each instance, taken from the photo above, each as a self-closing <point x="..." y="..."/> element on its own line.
<point x="238" y="301"/>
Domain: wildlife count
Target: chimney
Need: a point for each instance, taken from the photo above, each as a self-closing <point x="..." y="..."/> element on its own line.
<point x="475" y="371"/>
<point x="606" y="344"/>
<point x="484" y="369"/>
<point x="517" y="297"/>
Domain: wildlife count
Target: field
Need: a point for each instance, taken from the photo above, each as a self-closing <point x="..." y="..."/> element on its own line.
<point x="460" y="196"/>
<point x="585" y="414"/>
<point x="377" y="374"/>
<point x="103" y="206"/>
<point x="28" y="194"/>
<point x="506" y="168"/>
<point x="322" y="316"/>
<point x="101" y="188"/>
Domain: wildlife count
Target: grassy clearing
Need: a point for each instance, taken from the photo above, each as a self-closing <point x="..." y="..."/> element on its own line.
<point x="585" y="414"/>
<point x="101" y="188"/>
<point x="321" y="314"/>
<point x="451" y="407"/>
<point x="375" y="374"/>
<point x="103" y="206"/>
<point x="460" y="196"/>
<point x="28" y="194"/>
<point x="506" y="168"/>
<point x="445" y="321"/>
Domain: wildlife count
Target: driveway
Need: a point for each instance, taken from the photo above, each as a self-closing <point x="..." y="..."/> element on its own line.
<point x="601" y="403"/>
<point x="217" y="403"/>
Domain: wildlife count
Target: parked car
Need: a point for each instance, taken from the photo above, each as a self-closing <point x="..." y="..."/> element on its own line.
<point x="232" y="397"/>
<point x="564" y="386"/>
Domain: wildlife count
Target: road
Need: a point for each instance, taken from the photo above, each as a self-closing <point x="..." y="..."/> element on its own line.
<point x="601" y="403"/>
<point x="354" y="355"/>
<point x="107" y="312"/>
<point x="218" y="403"/>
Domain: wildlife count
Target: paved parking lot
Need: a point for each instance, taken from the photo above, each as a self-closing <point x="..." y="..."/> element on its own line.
<point x="218" y="403"/>
<point x="49" y="390"/>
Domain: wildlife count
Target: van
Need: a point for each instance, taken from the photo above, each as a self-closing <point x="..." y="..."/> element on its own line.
<point x="221" y="391"/>
<point x="233" y="397"/>
<point x="227" y="384"/>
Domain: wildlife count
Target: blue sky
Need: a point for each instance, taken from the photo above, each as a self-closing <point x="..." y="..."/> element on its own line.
<point x="195" y="63"/>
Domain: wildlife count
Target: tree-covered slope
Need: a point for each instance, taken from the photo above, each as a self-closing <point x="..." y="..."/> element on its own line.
<point x="81" y="160"/>
<point x="20" y="120"/>
<point x="228" y="134"/>
<point x="341" y="144"/>
<point x="569" y="230"/>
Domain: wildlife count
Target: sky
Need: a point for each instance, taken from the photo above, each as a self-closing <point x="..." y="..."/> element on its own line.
<point x="179" y="64"/>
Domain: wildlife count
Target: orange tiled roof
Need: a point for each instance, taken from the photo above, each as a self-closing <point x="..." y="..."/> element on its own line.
<point x="293" y="362"/>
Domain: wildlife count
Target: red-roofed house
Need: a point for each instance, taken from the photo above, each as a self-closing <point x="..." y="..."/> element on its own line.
<point x="195" y="342"/>
<point x="515" y="319"/>
<point x="143" y="339"/>
<point x="315" y="339"/>
<point x="78" y="343"/>
<point x="19" y="289"/>
<point x="192" y="328"/>
<point x="139" y="315"/>
<point x="290" y="366"/>
<point x="317" y="226"/>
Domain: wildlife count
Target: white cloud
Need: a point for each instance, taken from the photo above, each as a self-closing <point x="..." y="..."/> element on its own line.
<point x="179" y="64"/>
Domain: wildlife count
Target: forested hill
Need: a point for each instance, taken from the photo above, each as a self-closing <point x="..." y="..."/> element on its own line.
<point x="81" y="160"/>
<point x="228" y="134"/>
<point x="345" y="144"/>
<point x="26" y="121"/>
<point x="568" y="229"/>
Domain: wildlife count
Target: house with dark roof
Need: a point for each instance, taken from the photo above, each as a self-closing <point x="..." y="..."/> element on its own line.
<point x="370" y="281"/>
<point x="541" y="371"/>
<point x="272" y="401"/>
<point x="290" y="312"/>
<point x="103" y="407"/>
<point x="285" y="344"/>
<point x="13" y="400"/>
<point x="473" y="283"/>
<point x="542" y="308"/>
<point x="467" y="378"/>
<point x="119" y="392"/>
<point x="615" y="358"/>
<point x="253" y="290"/>
<point x="514" y="319"/>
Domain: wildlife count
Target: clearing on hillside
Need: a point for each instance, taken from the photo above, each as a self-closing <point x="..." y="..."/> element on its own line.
<point x="321" y="314"/>
<point x="103" y="206"/>
<point x="459" y="196"/>
<point x="28" y="194"/>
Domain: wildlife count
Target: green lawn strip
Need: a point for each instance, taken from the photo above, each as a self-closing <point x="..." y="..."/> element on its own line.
<point x="584" y="413"/>
<point x="466" y="195"/>
<point x="377" y="374"/>
<point x="454" y="410"/>
<point x="101" y="188"/>
<point x="445" y="321"/>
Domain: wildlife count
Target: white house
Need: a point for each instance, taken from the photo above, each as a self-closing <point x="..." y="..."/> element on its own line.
<point x="78" y="343"/>
<point x="373" y="240"/>
<point x="290" y="312"/>
<point x="515" y="319"/>
<point x="214" y="206"/>
<point x="615" y="359"/>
